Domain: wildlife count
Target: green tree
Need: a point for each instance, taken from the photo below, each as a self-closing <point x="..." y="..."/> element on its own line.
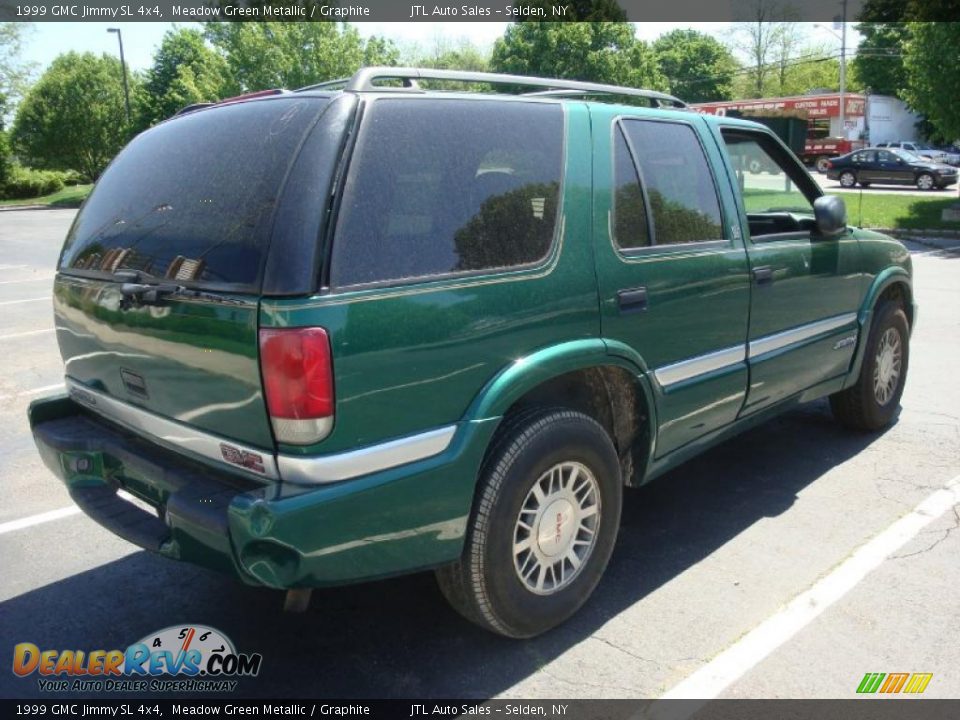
<point x="15" y="74"/>
<point x="73" y="117"/>
<point x="268" y="55"/>
<point x="184" y="71"/>
<point x="697" y="67"/>
<point x="606" y="52"/>
<point x="932" y="77"/>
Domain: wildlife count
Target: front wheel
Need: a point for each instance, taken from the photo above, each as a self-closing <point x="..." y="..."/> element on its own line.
<point x="848" y="179"/>
<point x="872" y="401"/>
<point x="543" y="525"/>
<point x="925" y="181"/>
<point x="823" y="164"/>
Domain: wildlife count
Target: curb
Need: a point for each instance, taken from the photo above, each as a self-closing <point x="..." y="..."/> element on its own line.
<point x="10" y="208"/>
<point x="928" y="232"/>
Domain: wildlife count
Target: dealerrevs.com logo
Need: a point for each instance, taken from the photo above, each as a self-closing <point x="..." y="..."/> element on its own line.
<point x="180" y="658"/>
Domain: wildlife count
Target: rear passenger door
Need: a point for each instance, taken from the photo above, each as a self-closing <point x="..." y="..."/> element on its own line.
<point x="672" y="270"/>
<point x="806" y="288"/>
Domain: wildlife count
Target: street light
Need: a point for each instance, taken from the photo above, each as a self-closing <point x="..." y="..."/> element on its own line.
<point x="843" y="63"/>
<point x="123" y="66"/>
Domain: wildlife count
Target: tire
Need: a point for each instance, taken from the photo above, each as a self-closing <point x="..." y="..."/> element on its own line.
<point x="754" y="166"/>
<point x="925" y="181"/>
<point x="871" y="403"/>
<point x="557" y="451"/>
<point x="847" y="179"/>
<point x="821" y="164"/>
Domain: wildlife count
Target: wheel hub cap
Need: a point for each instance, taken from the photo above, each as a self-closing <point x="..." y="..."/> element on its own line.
<point x="556" y="528"/>
<point x="886" y="372"/>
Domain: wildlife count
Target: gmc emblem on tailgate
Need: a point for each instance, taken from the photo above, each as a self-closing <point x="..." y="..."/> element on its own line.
<point x="236" y="456"/>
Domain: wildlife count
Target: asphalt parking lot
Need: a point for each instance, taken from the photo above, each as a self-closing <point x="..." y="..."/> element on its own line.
<point x="787" y="562"/>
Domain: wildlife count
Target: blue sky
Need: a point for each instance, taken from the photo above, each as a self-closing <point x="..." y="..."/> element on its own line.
<point x="45" y="41"/>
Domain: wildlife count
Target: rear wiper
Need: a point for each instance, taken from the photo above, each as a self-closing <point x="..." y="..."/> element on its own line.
<point x="137" y="292"/>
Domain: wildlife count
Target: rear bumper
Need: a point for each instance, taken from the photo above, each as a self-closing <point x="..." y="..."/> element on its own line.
<point x="267" y="533"/>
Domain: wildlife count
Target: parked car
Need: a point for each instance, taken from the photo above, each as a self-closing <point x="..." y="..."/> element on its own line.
<point x="890" y="166"/>
<point x="375" y="330"/>
<point x="925" y="150"/>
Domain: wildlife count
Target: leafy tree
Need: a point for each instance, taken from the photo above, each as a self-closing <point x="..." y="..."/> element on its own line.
<point x="184" y="71"/>
<point x="268" y="55"/>
<point x="15" y="74"/>
<point x="767" y="39"/>
<point x="697" y="67"/>
<point x="6" y="161"/>
<point x="607" y="52"/>
<point x="932" y="78"/>
<point x="446" y="54"/>
<point x="73" y="117"/>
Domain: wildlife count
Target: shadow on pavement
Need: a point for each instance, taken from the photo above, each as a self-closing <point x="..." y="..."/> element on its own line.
<point x="398" y="638"/>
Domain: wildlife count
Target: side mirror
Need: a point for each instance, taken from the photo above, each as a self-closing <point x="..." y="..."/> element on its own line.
<point x="831" y="215"/>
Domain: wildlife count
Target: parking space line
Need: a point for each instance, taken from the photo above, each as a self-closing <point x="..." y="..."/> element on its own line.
<point x="11" y="267"/>
<point x="15" y="302"/>
<point x="730" y="665"/>
<point x="38" y="519"/>
<point x="25" y="334"/>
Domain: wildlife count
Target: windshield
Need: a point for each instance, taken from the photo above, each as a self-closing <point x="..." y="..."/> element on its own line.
<point x="192" y="199"/>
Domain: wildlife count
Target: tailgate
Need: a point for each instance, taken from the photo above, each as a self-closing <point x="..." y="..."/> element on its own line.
<point x="193" y="361"/>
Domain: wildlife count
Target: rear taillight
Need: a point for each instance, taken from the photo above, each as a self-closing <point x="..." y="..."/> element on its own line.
<point x="298" y="381"/>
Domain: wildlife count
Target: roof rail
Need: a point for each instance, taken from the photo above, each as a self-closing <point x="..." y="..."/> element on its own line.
<point x="364" y="80"/>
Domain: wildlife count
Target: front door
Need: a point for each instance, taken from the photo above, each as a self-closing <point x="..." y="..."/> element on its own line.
<point x="674" y="286"/>
<point x="806" y="288"/>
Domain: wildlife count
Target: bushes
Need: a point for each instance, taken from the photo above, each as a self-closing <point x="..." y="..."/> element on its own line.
<point x="25" y="183"/>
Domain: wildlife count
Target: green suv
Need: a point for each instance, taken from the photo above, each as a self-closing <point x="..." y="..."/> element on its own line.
<point x="366" y="328"/>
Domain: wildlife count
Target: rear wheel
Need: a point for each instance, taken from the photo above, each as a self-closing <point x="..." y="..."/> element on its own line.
<point x="871" y="403"/>
<point x="925" y="181"/>
<point x="822" y="164"/>
<point x="543" y="525"/>
<point x="847" y="179"/>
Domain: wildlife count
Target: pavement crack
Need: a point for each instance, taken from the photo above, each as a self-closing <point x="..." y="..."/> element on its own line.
<point x="944" y="534"/>
<point x="628" y="652"/>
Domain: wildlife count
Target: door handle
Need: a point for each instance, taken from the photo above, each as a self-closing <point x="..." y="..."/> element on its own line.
<point x="763" y="275"/>
<point x="633" y="300"/>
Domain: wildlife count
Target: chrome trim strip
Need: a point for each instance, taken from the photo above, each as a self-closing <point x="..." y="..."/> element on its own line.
<point x="777" y="341"/>
<point x="314" y="470"/>
<point x="700" y="365"/>
<point x="168" y="432"/>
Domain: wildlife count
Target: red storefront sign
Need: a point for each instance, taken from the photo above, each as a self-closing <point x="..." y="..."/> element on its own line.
<point x="813" y="105"/>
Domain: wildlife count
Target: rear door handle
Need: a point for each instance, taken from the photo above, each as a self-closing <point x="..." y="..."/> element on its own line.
<point x="633" y="300"/>
<point x="763" y="275"/>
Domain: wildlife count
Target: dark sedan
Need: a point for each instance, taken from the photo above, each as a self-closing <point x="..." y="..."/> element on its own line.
<point x="889" y="166"/>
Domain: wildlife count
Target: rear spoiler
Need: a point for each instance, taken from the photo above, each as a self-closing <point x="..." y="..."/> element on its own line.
<point x="237" y="98"/>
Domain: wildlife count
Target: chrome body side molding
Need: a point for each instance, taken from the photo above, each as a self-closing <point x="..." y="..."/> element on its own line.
<point x="222" y="451"/>
<point x="700" y="365"/>
<point x="778" y="341"/>
<point x="313" y="470"/>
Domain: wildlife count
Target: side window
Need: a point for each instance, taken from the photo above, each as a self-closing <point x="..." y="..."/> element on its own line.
<point x="677" y="180"/>
<point x="884" y="157"/>
<point x="777" y="193"/>
<point x="448" y="186"/>
<point x="630" y="227"/>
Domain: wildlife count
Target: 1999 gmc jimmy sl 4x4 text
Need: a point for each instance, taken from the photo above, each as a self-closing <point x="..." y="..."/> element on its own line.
<point x="364" y="329"/>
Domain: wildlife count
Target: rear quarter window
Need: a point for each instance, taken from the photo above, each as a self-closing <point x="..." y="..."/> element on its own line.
<point x="446" y="186"/>
<point x="192" y="199"/>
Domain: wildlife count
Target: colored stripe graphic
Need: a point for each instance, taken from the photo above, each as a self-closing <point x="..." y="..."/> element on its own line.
<point x="870" y="682"/>
<point x="918" y="683"/>
<point x="894" y="682"/>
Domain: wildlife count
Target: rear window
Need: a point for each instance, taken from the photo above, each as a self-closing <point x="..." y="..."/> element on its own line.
<point x="192" y="200"/>
<point x="448" y="186"/>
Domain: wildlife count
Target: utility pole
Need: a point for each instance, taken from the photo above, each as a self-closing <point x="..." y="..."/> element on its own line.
<point x="126" y="87"/>
<point x="843" y="70"/>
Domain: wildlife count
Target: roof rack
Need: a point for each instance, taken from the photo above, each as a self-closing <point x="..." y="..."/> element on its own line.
<point x="364" y="80"/>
